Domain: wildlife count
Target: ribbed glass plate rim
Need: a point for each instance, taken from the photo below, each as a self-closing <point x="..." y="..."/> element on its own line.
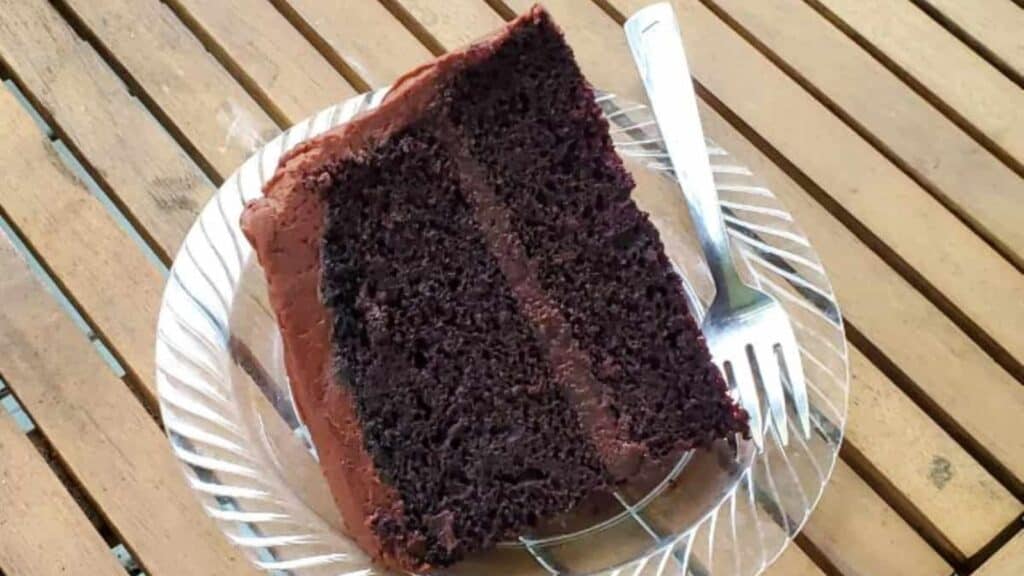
<point x="194" y="353"/>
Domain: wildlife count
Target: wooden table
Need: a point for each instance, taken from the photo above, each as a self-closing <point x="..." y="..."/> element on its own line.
<point x="892" y="129"/>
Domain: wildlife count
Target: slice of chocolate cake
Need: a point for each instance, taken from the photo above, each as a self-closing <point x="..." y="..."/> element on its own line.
<point x="480" y="327"/>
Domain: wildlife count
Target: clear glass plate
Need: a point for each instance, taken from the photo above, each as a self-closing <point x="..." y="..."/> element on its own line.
<point x="227" y="408"/>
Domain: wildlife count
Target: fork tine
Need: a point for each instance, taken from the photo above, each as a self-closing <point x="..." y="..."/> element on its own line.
<point x="771" y="382"/>
<point x="743" y="378"/>
<point x="794" y="370"/>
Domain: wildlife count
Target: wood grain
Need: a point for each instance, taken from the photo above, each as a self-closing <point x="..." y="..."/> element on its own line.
<point x="452" y="23"/>
<point x="793" y="562"/>
<point x="114" y="284"/>
<point x="102" y="435"/>
<point x="1008" y="561"/>
<point x="140" y="164"/>
<point x="939" y="358"/>
<point x="42" y="530"/>
<point x="365" y="35"/>
<point x="266" y="48"/>
<point x="993" y="27"/>
<point x="972" y="276"/>
<point x="969" y="179"/>
<point x="194" y="93"/>
<point x="926" y="466"/>
<point x="976" y="508"/>
<point x="862" y="536"/>
<point x="943" y="65"/>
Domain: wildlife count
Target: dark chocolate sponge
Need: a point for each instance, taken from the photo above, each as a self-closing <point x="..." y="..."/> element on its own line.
<point x="481" y="328"/>
<point x="598" y="256"/>
<point x="458" y="406"/>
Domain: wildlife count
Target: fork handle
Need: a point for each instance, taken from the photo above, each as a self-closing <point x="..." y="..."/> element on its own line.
<point x="657" y="47"/>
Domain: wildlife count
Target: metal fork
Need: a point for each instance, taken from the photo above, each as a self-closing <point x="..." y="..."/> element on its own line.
<point x="747" y="331"/>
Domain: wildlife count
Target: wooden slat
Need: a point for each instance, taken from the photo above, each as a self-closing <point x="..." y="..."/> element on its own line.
<point x="102" y="434"/>
<point x="86" y="251"/>
<point x="1008" y="561"/>
<point x="284" y="66"/>
<point x="112" y="283"/>
<point x="455" y="22"/>
<point x="970" y="507"/>
<point x="992" y="26"/>
<point x="42" y="530"/>
<point x="888" y="320"/>
<point x="926" y="466"/>
<point x="939" y="358"/>
<point x="109" y="279"/>
<point x="862" y="536"/>
<point x="943" y="65"/>
<point x="895" y="209"/>
<point x="157" y="182"/>
<point x="195" y="93"/>
<point x="976" y="184"/>
<point x="366" y="36"/>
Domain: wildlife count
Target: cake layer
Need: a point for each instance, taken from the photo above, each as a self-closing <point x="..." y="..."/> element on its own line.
<point x="594" y="252"/>
<point x="457" y="402"/>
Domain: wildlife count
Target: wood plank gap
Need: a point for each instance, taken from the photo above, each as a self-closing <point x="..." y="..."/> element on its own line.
<point x="135" y="88"/>
<point x="78" y="493"/>
<point x="233" y="68"/>
<point x="75" y="163"/>
<point x="974" y="563"/>
<point x="82" y="498"/>
<point x="414" y="26"/>
<point x="296" y="78"/>
<point x="22" y="99"/>
<point x="820" y="559"/>
<point x="970" y="40"/>
<point x="991" y="347"/>
<point x="51" y="286"/>
<point x="945" y="421"/>
<point x="130" y="378"/>
<point x="950" y="112"/>
<point x="903" y="506"/>
<point x="12" y="406"/>
<point x="113" y="200"/>
<point x="321" y="45"/>
<point x="111" y="446"/>
<point x="613" y="12"/>
<point x="58" y="539"/>
<point x="503" y="10"/>
<point x="960" y="213"/>
<point x="127" y="560"/>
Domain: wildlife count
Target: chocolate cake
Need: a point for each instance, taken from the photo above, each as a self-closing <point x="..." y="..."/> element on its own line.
<point x="480" y="327"/>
